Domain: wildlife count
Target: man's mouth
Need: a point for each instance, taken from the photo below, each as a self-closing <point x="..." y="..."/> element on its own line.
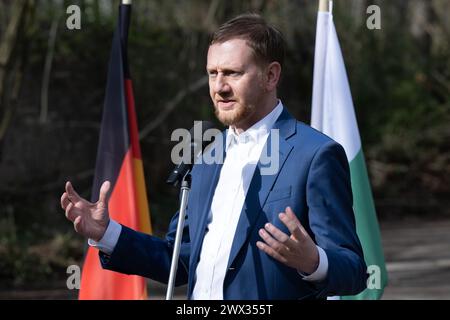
<point x="226" y="104"/>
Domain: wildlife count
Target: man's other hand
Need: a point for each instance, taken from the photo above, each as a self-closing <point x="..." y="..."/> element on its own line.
<point x="297" y="250"/>
<point x="89" y="219"/>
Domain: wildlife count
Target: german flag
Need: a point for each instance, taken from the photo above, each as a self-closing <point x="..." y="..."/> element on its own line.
<point x="118" y="161"/>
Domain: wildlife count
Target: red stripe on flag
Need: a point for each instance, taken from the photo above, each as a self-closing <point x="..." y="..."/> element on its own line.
<point x="97" y="283"/>
<point x="144" y="224"/>
<point x="100" y="284"/>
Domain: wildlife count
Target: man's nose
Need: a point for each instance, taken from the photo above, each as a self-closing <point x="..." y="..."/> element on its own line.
<point x="221" y="85"/>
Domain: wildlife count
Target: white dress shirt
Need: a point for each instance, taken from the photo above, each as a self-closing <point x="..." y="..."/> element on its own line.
<point x="242" y="155"/>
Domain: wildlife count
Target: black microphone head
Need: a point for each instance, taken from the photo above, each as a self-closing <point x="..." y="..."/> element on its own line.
<point x="197" y="144"/>
<point x="197" y="140"/>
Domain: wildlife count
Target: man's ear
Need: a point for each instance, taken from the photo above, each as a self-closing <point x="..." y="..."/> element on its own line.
<point x="273" y="72"/>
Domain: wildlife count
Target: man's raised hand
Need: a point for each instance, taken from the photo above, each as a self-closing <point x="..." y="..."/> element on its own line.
<point x="89" y="219"/>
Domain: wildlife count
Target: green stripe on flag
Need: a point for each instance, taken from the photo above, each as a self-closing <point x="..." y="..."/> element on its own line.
<point x="368" y="230"/>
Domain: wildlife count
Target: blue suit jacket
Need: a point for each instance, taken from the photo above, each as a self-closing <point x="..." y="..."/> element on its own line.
<point x="313" y="179"/>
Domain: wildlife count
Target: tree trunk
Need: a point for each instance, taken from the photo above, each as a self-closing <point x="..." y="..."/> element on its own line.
<point x="11" y="62"/>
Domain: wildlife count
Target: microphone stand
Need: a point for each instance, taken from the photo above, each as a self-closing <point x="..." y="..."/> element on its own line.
<point x="185" y="188"/>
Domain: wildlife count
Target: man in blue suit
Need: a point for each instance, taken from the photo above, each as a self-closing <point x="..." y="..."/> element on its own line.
<point x="250" y="233"/>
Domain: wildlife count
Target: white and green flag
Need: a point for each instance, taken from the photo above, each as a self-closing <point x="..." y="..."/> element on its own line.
<point x="334" y="115"/>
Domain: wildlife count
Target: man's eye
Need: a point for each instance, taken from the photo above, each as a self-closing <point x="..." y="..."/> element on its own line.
<point x="233" y="73"/>
<point x="212" y="74"/>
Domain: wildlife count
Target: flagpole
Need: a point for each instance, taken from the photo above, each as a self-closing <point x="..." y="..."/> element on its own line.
<point x="323" y="5"/>
<point x="326" y="6"/>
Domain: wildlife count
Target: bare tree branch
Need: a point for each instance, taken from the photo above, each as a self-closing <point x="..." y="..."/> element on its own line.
<point x="48" y="68"/>
<point x="171" y="105"/>
<point x="7" y="47"/>
<point x="211" y="15"/>
<point x="9" y="39"/>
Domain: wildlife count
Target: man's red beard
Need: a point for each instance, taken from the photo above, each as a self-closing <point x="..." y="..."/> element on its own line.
<point x="234" y="116"/>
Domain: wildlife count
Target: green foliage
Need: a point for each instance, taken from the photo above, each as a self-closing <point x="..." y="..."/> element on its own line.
<point x="28" y="258"/>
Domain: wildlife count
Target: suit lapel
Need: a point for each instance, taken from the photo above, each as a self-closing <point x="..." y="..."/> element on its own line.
<point x="261" y="183"/>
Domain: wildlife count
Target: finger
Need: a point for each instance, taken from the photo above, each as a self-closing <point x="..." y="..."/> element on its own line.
<point x="65" y="200"/>
<point x="73" y="195"/>
<point x="291" y="224"/>
<point x="77" y="224"/>
<point x="271" y="242"/>
<point x="271" y="252"/>
<point x="104" y="192"/>
<point x="278" y="234"/>
<point x="71" y="213"/>
<point x="292" y="215"/>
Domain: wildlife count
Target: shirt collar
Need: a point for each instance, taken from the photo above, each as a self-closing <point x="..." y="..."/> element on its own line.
<point x="255" y="132"/>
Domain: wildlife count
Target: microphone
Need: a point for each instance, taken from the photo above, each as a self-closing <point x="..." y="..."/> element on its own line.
<point x="196" y="146"/>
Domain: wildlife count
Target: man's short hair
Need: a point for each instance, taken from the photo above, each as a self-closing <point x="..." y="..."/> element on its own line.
<point x="265" y="40"/>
